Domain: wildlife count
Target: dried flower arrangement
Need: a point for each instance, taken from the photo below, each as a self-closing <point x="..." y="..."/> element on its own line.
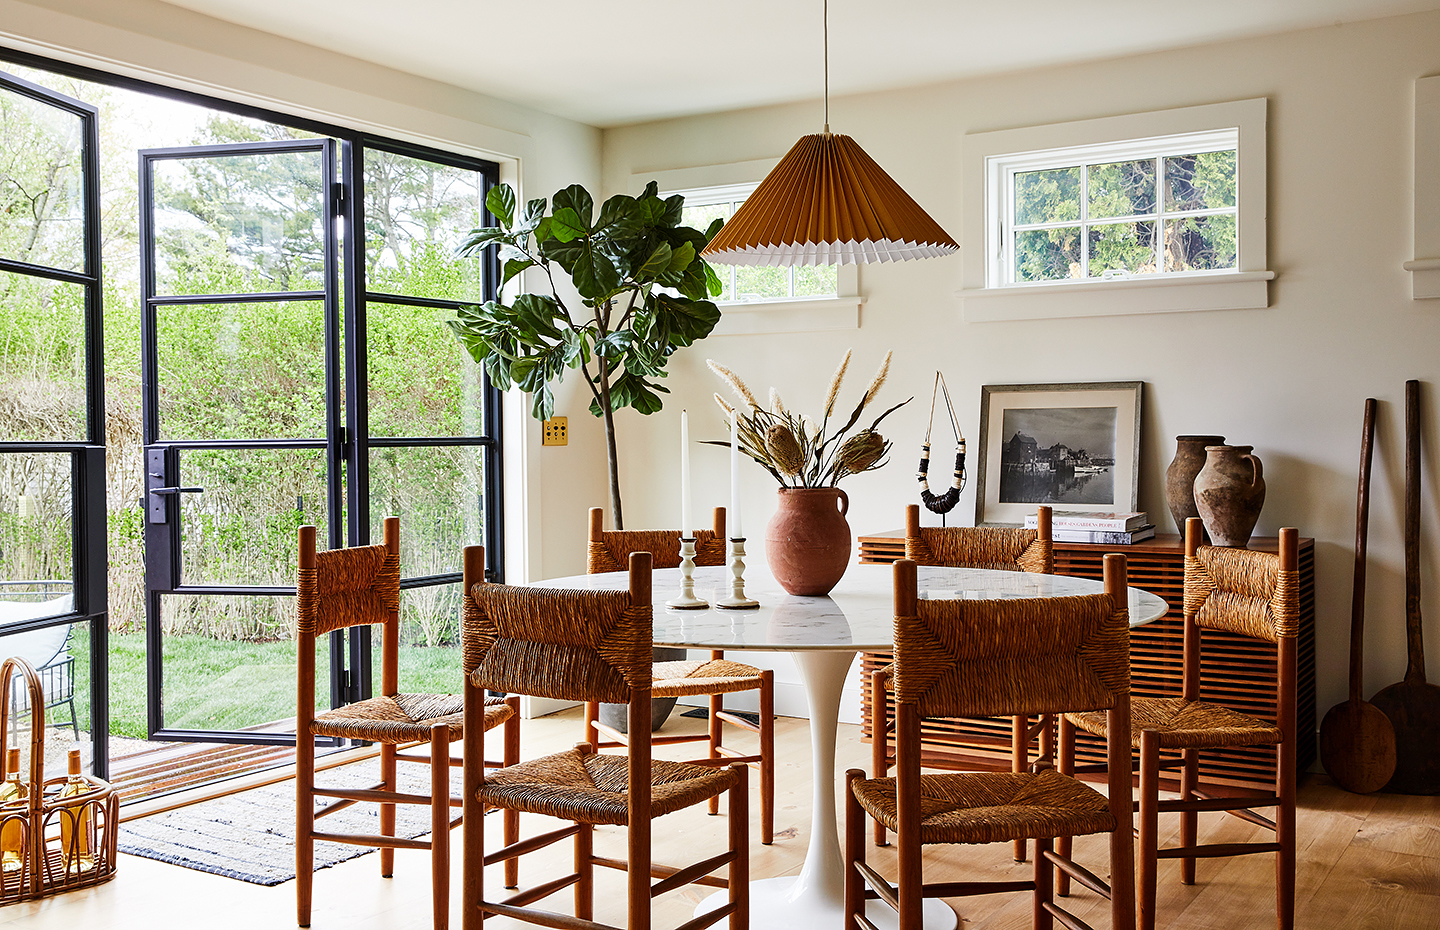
<point x="795" y="449"/>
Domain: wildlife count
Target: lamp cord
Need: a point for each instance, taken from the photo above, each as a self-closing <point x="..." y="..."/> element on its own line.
<point x="826" y="32"/>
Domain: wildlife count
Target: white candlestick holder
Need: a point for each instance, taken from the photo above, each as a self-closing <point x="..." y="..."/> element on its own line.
<point x="736" y="599"/>
<point x="687" y="599"/>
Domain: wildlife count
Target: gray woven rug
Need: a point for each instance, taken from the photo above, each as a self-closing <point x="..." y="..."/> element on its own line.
<point x="251" y="835"/>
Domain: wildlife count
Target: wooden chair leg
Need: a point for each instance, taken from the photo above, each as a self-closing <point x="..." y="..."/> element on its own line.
<point x="879" y="744"/>
<point x="592" y="713"/>
<point x="1019" y="761"/>
<point x="854" y="849"/>
<point x="440" y="824"/>
<point x="1065" y="765"/>
<point x="717" y="704"/>
<point x="472" y="882"/>
<point x="767" y="757"/>
<point x="304" y="829"/>
<point x="1044" y="880"/>
<point x="1285" y="836"/>
<point x="1148" y="841"/>
<point x="585" y="870"/>
<point x="510" y="819"/>
<point x="1189" y="820"/>
<point x="387" y="811"/>
<point x="739" y="877"/>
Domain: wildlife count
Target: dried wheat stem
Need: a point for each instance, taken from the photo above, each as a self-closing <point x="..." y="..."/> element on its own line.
<point x="835" y="380"/>
<point x="879" y="380"/>
<point x="736" y="385"/>
<point x="726" y="408"/>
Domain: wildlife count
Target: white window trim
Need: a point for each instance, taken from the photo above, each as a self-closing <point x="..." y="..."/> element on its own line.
<point x="1425" y="268"/>
<point x="1246" y="287"/>
<point x="755" y="317"/>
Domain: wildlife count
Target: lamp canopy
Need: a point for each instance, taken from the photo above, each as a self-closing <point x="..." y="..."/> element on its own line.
<point x="828" y="203"/>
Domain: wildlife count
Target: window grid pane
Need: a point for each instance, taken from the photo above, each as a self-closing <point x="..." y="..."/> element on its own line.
<point x="1114" y="203"/>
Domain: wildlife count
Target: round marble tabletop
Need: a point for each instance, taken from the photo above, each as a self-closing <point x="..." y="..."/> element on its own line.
<point x="857" y="616"/>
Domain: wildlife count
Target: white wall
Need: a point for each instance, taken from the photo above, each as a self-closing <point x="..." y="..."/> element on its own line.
<point x="538" y="152"/>
<point x="1290" y="379"/>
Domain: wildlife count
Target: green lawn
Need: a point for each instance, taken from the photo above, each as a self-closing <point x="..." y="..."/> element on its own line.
<point x="216" y="685"/>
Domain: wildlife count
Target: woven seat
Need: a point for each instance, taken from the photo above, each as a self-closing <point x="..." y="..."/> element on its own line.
<point x="992" y="548"/>
<point x="590" y="787"/>
<point x="990" y="807"/>
<point x="997" y="657"/>
<point x="360" y="586"/>
<point x="609" y="550"/>
<point x="1245" y="593"/>
<point x="404" y="718"/>
<point x="716" y="676"/>
<point x="583" y="646"/>
<point x="1182" y="724"/>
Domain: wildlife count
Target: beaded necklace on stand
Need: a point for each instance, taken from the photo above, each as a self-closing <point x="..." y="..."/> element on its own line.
<point x="941" y="503"/>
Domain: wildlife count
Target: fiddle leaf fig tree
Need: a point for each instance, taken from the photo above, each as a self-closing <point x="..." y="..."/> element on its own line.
<point x="644" y="293"/>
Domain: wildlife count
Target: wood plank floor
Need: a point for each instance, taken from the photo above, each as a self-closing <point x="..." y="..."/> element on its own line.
<point x="1364" y="862"/>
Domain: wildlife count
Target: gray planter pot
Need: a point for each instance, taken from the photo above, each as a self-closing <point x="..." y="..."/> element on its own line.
<point x="616" y="715"/>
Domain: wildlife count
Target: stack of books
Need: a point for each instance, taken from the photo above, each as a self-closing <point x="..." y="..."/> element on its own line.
<point x="1106" y="529"/>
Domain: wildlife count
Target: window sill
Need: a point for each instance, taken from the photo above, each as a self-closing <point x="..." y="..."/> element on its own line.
<point x="1424" y="278"/>
<point x="789" y="316"/>
<point x="1245" y="290"/>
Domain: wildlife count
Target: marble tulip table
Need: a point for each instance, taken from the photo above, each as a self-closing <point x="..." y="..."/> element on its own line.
<point x="825" y="633"/>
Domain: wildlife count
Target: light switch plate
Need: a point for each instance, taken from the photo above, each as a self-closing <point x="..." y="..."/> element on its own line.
<point x="557" y="433"/>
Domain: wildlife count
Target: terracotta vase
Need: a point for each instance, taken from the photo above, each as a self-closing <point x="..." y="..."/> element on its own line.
<point x="1229" y="492"/>
<point x="1180" y="476"/>
<point x="807" y="541"/>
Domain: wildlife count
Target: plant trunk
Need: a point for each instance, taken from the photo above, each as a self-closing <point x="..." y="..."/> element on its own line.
<point x="613" y="461"/>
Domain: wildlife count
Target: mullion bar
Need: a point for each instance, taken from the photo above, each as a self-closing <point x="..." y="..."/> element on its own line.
<point x="240" y="444"/>
<point x="45" y="271"/>
<point x="439" y="303"/>
<point x="267" y="296"/>
<point x="387" y="442"/>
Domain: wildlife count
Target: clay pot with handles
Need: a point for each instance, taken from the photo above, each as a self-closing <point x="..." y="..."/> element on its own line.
<point x="1229" y="493"/>
<point x="807" y="541"/>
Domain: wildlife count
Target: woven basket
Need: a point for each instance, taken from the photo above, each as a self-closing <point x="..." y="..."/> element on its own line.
<point x="44" y="820"/>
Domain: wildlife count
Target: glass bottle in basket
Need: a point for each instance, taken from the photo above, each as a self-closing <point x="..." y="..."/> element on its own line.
<point x="12" y="833"/>
<point x="77" y="832"/>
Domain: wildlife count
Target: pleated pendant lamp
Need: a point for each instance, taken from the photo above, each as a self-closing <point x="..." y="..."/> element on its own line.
<point x="828" y="203"/>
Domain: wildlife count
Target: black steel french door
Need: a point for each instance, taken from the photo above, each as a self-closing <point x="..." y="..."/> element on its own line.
<point x="53" y="608"/>
<point x="243" y="439"/>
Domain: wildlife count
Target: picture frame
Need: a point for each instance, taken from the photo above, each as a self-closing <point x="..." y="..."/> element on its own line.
<point x="1074" y="446"/>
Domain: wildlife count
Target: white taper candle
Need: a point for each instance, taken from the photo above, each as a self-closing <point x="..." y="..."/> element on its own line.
<point x="736" y="532"/>
<point x="686" y="529"/>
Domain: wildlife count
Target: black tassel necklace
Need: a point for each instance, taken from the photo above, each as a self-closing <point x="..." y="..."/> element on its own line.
<point x="941" y="503"/>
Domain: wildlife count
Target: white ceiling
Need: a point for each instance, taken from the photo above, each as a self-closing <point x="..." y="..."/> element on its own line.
<point x="612" y="62"/>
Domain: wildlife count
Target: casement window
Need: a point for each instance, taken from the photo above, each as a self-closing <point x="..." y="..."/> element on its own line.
<point x="1163" y="206"/>
<point x="1146" y="213"/>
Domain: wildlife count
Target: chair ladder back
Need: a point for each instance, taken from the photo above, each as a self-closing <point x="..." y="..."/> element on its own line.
<point x="998" y="548"/>
<point x="992" y="658"/>
<point x="609" y="550"/>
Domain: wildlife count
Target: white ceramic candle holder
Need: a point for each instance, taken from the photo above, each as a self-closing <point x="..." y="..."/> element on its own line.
<point x="736" y="599"/>
<point x="687" y="599"/>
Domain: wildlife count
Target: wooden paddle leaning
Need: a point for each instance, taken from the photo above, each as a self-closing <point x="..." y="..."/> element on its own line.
<point x="1413" y="705"/>
<point x="1357" y="740"/>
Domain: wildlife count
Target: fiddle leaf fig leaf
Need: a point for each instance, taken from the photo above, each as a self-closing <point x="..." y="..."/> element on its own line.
<point x="566" y="225"/>
<point x="575" y="198"/>
<point x="500" y="201"/>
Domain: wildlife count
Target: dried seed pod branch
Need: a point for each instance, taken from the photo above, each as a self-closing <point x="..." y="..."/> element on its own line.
<point x="795" y="449"/>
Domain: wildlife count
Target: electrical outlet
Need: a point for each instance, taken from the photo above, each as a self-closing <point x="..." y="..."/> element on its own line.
<point x="557" y="433"/>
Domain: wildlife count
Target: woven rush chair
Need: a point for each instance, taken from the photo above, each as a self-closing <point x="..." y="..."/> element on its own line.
<point x="1254" y="594"/>
<point x="995" y="548"/>
<point x="963" y="658"/>
<point x="352" y="587"/>
<point x="609" y="552"/>
<point x="582" y="646"/>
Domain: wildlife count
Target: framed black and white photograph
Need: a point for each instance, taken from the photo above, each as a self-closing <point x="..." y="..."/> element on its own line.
<point x="1075" y="447"/>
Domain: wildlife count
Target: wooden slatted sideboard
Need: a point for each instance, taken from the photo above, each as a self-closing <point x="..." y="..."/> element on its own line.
<point x="1237" y="672"/>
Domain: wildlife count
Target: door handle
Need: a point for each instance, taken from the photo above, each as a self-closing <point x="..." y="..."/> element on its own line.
<point x="177" y="490"/>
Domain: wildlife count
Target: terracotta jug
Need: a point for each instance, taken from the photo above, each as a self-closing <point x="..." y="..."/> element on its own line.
<point x="807" y="541"/>
<point x="1229" y="492"/>
<point x="1180" y="476"/>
